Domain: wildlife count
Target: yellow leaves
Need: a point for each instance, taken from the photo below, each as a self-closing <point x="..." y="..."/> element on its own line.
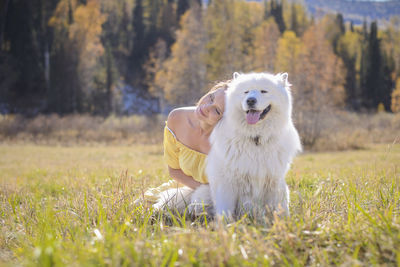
<point x="288" y="52"/>
<point x="296" y="18"/>
<point x="230" y="25"/>
<point x="154" y="69"/>
<point x="224" y="41"/>
<point x="248" y="14"/>
<point x="78" y="28"/>
<point x="86" y="29"/>
<point x="183" y="75"/>
<point x="62" y="13"/>
<point x="317" y="73"/>
<point x="396" y="98"/>
<point x="323" y="70"/>
<point x="350" y="43"/>
<point x="265" y="45"/>
<point x="82" y="22"/>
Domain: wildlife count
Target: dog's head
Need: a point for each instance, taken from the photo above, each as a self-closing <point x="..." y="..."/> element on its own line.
<point x="255" y="98"/>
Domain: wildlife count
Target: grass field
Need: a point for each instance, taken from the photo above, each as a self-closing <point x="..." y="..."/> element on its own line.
<point x="73" y="206"/>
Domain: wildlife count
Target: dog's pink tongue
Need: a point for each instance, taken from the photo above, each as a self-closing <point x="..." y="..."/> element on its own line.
<point x="253" y="117"/>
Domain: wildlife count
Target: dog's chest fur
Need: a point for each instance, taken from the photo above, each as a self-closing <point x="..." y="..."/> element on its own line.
<point x="257" y="157"/>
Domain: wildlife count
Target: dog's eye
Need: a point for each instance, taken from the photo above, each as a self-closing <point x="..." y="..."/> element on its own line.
<point x="264" y="91"/>
<point x="246" y="92"/>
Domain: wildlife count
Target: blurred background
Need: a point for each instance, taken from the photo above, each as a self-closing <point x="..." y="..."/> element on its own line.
<point x="109" y="71"/>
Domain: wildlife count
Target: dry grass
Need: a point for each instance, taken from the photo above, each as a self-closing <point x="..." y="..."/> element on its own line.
<point x="73" y="206"/>
<point x="81" y="129"/>
<point x="327" y="130"/>
<point x="339" y="130"/>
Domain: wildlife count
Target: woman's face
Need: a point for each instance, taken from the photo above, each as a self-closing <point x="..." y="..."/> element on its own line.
<point x="211" y="107"/>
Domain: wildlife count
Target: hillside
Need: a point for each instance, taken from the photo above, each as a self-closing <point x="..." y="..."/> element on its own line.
<point x="355" y="11"/>
<point x="352" y="10"/>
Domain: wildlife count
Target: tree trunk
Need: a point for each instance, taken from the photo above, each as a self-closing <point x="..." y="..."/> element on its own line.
<point x="47" y="65"/>
<point x="3" y="23"/>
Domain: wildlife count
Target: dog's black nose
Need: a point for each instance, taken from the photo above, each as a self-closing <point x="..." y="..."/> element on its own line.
<point x="251" y="101"/>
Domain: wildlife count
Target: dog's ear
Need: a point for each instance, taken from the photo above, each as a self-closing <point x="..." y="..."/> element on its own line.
<point x="236" y="75"/>
<point x="283" y="77"/>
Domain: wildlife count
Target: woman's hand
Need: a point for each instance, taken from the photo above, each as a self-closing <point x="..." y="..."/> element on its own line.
<point x="182" y="178"/>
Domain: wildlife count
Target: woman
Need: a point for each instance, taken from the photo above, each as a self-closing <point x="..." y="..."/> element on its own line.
<point x="186" y="143"/>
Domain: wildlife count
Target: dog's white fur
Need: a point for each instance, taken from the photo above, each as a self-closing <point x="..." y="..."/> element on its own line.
<point x="247" y="164"/>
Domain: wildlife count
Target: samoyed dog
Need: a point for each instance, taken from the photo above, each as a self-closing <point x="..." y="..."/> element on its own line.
<point x="252" y="148"/>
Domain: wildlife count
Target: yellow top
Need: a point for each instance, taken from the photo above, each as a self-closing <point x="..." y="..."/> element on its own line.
<point x="179" y="156"/>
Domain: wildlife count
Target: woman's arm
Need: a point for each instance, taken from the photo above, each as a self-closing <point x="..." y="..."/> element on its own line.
<point x="182" y="178"/>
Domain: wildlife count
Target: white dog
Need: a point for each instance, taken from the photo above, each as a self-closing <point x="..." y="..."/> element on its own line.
<point x="252" y="148"/>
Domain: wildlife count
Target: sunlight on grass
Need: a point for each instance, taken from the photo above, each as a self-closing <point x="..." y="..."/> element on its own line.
<point x="74" y="206"/>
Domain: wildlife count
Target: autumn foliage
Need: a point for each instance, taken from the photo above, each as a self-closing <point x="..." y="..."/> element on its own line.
<point x="74" y="56"/>
<point x="396" y="97"/>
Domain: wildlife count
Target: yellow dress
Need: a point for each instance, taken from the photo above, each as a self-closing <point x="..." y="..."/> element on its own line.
<point x="179" y="156"/>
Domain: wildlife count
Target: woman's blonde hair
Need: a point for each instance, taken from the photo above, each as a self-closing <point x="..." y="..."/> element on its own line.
<point x="217" y="86"/>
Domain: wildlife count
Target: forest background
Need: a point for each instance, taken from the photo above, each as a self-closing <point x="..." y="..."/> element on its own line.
<point x="95" y="57"/>
<point x="85" y="88"/>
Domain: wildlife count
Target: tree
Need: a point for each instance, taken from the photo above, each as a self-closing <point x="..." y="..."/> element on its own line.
<point x="267" y="9"/>
<point x="166" y="22"/>
<point x="78" y="48"/>
<point x="264" y="49"/>
<point x="24" y="38"/>
<point x="349" y="48"/>
<point x="3" y="21"/>
<point x="334" y="29"/>
<point x="296" y="18"/>
<point x="104" y="80"/>
<point x="363" y="63"/>
<point x="388" y="83"/>
<point x="229" y="46"/>
<point x="110" y="79"/>
<point x="183" y="75"/>
<point x="138" y="26"/>
<point x="183" y="5"/>
<point x="395" y="106"/>
<point x="137" y="54"/>
<point x="321" y="78"/>
<point x="224" y="42"/>
<point x="155" y="71"/>
<point x="247" y="17"/>
<point x="276" y="11"/>
<point x="117" y="33"/>
<point x="181" y="8"/>
<point x="293" y="20"/>
<point x="62" y="95"/>
<point x="373" y="90"/>
<point x="390" y="41"/>
<point x="319" y="84"/>
<point x="288" y="53"/>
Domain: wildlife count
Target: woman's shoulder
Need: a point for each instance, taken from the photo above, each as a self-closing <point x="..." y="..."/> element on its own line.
<point x="178" y="117"/>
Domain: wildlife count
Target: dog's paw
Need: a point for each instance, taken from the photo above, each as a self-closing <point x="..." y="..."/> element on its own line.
<point x="200" y="208"/>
